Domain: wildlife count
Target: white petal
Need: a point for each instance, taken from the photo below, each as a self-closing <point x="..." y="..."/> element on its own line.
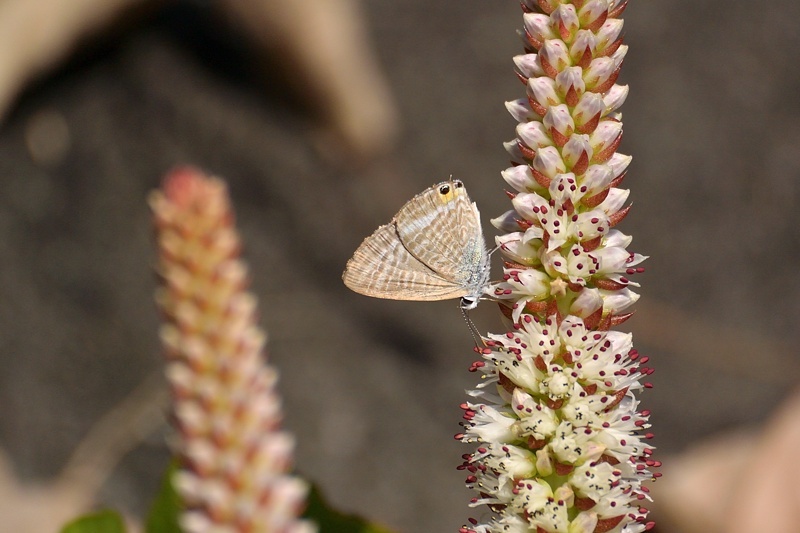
<point x="516" y="249"/>
<point x="555" y="52"/>
<point x="587" y="302"/>
<point x="506" y="222"/>
<point x="559" y="118"/>
<point x="612" y="259"/>
<point x="596" y="178"/>
<point x="521" y="110"/>
<point x="619" y="301"/>
<point x="584" y="39"/>
<point x="591" y="224"/>
<point x="565" y="187"/>
<point x="575" y="148"/>
<point x="534" y="134"/>
<point x="606" y="133"/>
<point x="520" y="178"/>
<point x="619" y="162"/>
<point x="617" y="238"/>
<point x="528" y="65"/>
<point x="592" y="10"/>
<point x="615" y="97"/>
<point x="619" y="55"/>
<point x="566" y="15"/>
<point x="614" y="201"/>
<point x="548" y="161"/>
<point x="555" y="263"/>
<point x="609" y="32"/>
<point x="528" y="205"/>
<point x="571" y="77"/>
<point x="533" y="282"/>
<point x="538" y="25"/>
<point x="589" y="106"/>
<point x="543" y="90"/>
<point x="585" y="522"/>
<point x="513" y="150"/>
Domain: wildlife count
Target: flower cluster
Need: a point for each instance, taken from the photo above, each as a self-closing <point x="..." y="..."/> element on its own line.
<point x="561" y="440"/>
<point x="234" y="458"/>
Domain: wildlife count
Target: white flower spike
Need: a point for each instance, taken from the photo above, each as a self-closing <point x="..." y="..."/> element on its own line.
<point x="560" y="438"/>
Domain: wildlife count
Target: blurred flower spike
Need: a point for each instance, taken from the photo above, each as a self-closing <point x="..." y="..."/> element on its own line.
<point x="560" y="437"/>
<point x="234" y="460"/>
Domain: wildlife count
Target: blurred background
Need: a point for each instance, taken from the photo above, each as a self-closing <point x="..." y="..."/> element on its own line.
<point x="325" y="117"/>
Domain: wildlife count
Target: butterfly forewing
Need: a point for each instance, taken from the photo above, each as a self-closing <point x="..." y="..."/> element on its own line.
<point x="442" y="230"/>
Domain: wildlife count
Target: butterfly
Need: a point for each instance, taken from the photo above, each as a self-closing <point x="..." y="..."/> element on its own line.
<point x="433" y="249"/>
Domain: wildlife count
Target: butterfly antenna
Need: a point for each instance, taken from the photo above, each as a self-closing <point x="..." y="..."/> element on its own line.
<point x="488" y="297"/>
<point x="497" y="247"/>
<point x="476" y="336"/>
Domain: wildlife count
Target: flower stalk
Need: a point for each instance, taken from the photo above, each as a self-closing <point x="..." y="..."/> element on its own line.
<point x="560" y="437"/>
<point x="234" y="460"/>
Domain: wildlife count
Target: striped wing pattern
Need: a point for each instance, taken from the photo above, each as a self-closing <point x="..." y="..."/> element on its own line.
<point x="383" y="268"/>
<point x="444" y="232"/>
<point x="432" y="250"/>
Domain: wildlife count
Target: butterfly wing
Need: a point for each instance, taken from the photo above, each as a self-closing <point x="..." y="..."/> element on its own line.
<point x="382" y="267"/>
<point x="441" y="227"/>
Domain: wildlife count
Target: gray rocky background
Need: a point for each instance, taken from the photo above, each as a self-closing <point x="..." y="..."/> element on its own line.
<point x="372" y="387"/>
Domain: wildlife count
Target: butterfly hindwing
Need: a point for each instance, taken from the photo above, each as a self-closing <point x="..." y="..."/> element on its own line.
<point x="382" y="267"/>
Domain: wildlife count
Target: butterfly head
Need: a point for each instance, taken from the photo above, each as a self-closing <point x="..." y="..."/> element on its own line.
<point x="450" y="190"/>
<point x="468" y="302"/>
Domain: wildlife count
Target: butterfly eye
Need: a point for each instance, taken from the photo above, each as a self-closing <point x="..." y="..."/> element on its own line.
<point x="444" y="189"/>
<point x="458" y="184"/>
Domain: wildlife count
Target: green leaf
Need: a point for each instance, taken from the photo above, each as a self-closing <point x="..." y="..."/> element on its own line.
<point x="332" y="521"/>
<point x="166" y="509"/>
<point x="100" y="522"/>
